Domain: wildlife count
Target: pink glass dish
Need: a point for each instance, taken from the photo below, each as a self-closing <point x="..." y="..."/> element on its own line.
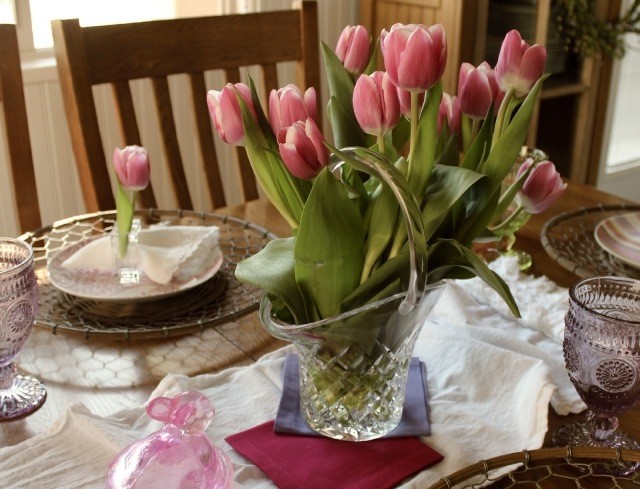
<point x="179" y="455"/>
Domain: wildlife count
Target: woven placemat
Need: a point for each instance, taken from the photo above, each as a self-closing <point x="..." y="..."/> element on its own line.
<point x="220" y="299"/>
<point x="552" y="468"/>
<point x="568" y="238"/>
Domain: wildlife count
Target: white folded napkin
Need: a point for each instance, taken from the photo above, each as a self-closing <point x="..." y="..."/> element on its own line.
<point x="166" y="252"/>
<point x="491" y="378"/>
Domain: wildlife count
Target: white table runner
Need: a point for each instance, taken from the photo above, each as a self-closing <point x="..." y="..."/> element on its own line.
<point x="491" y="378"/>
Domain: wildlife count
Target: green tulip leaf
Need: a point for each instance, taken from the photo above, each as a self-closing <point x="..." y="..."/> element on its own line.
<point x="479" y="149"/>
<point x="328" y="249"/>
<point x="504" y="153"/>
<point x="287" y="193"/>
<point x="423" y="154"/>
<point x="446" y="186"/>
<point x="458" y="261"/>
<point x="338" y="78"/>
<point x="381" y="228"/>
<point x="273" y="270"/>
<point x="346" y="130"/>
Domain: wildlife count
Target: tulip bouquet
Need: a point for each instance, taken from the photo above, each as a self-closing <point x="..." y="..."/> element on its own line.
<point x="131" y="165"/>
<point x="450" y="154"/>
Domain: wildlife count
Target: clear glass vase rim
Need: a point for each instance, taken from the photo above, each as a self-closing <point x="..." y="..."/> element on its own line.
<point x="18" y="267"/>
<point x="265" y="310"/>
<point x="609" y="278"/>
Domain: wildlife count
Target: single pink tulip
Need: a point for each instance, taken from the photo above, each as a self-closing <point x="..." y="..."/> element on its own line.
<point x="478" y="89"/>
<point x="375" y="103"/>
<point x="353" y="48"/>
<point x="519" y="65"/>
<point x="414" y="55"/>
<point x="131" y="164"/>
<point x="302" y="149"/>
<point x="225" y="112"/>
<point x="404" y="96"/>
<point x="449" y="112"/>
<point x="289" y="105"/>
<point x="541" y="188"/>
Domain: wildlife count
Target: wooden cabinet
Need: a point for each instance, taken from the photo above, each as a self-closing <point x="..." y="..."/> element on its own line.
<point x="568" y="121"/>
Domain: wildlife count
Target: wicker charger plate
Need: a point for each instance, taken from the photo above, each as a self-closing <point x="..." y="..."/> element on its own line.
<point x="218" y="300"/>
<point x="568" y="238"/>
<point x="575" y="467"/>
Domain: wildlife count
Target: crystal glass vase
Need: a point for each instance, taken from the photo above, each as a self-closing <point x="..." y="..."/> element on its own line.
<point x="19" y="394"/>
<point x="602" y="355"/>
<point x="354" y="366"/>
<point x="126" y="257"/>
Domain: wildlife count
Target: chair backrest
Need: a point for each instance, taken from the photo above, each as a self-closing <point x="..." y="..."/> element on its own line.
<point x="116" y="54"/>
<point x="17" y="131"/>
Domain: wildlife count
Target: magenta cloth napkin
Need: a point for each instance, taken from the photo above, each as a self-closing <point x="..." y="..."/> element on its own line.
<point x="415" y="414"/>
<point x="311" y="462"/>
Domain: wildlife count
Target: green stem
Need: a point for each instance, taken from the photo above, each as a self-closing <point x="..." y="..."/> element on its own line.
<point x="381" y="143"/>
<point x="504" y="224"/>
<point x="414" y="123"/>
<point x="500" y="118"/>
<point x="466" y="132"/>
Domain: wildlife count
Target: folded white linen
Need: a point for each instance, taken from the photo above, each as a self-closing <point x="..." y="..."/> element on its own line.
<point x="165" y="252"/>
<point x="490" y="383"/>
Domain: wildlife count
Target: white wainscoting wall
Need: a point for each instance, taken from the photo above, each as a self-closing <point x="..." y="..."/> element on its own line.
<point x="59" y="191"/>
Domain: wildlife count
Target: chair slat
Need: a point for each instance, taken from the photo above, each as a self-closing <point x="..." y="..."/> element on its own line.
<point x="205" y="140"/>
<point x="17" y="131"/>
<point x="170" y="140"/>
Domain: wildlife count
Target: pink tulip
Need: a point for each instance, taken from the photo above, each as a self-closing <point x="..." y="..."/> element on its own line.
<point x="132" y="167"/>
<point x="478" y="89"/>
<point x="519" y="65"/>
<point x="414" y="55"/>
<point x="225" y="112"/>
<point x="289" y="105"/>
<point x="353" y="48"/>
<point x="404" y="96"/>
<point x="449" y="112"/>
<point x="302" y="149"/>
<point x="375" y="103"/>
<point x="541" y="188"/>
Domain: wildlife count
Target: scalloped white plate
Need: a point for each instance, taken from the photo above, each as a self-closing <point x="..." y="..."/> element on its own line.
<point x="103" y="285"/>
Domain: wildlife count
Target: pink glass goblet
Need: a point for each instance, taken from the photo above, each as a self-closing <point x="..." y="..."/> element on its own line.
<point x="602" y="356"/>
<point x="19" y="394"/>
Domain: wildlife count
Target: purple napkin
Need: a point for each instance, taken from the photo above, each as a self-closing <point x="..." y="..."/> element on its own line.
<point x="312" y="462"/>
<point x="415" y="414"/>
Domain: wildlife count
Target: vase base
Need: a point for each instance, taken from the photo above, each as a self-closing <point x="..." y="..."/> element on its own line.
<point x="524" y="259"/>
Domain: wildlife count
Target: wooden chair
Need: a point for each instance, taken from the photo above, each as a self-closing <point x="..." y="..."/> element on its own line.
<point x="116" y="54"/>
<point x="17" y="131"/>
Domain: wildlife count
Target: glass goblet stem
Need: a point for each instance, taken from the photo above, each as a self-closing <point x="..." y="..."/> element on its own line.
<point x="7" y="374"/>
<point x="601" y="426"/>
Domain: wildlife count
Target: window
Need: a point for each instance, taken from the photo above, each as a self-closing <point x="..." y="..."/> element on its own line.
<point x="7" y="13"/>
<point x="34" y="16"/>
<point x="623" y="148"/>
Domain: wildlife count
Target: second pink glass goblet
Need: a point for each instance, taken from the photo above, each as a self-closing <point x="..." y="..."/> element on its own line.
<point x="602" y="356"/>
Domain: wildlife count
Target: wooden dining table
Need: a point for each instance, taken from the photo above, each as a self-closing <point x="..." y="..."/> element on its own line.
<point x="108" y="375"/>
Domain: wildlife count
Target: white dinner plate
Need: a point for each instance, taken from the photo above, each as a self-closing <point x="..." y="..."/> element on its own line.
<point x="104" y="285"/>
<point x="620" y="236"/>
